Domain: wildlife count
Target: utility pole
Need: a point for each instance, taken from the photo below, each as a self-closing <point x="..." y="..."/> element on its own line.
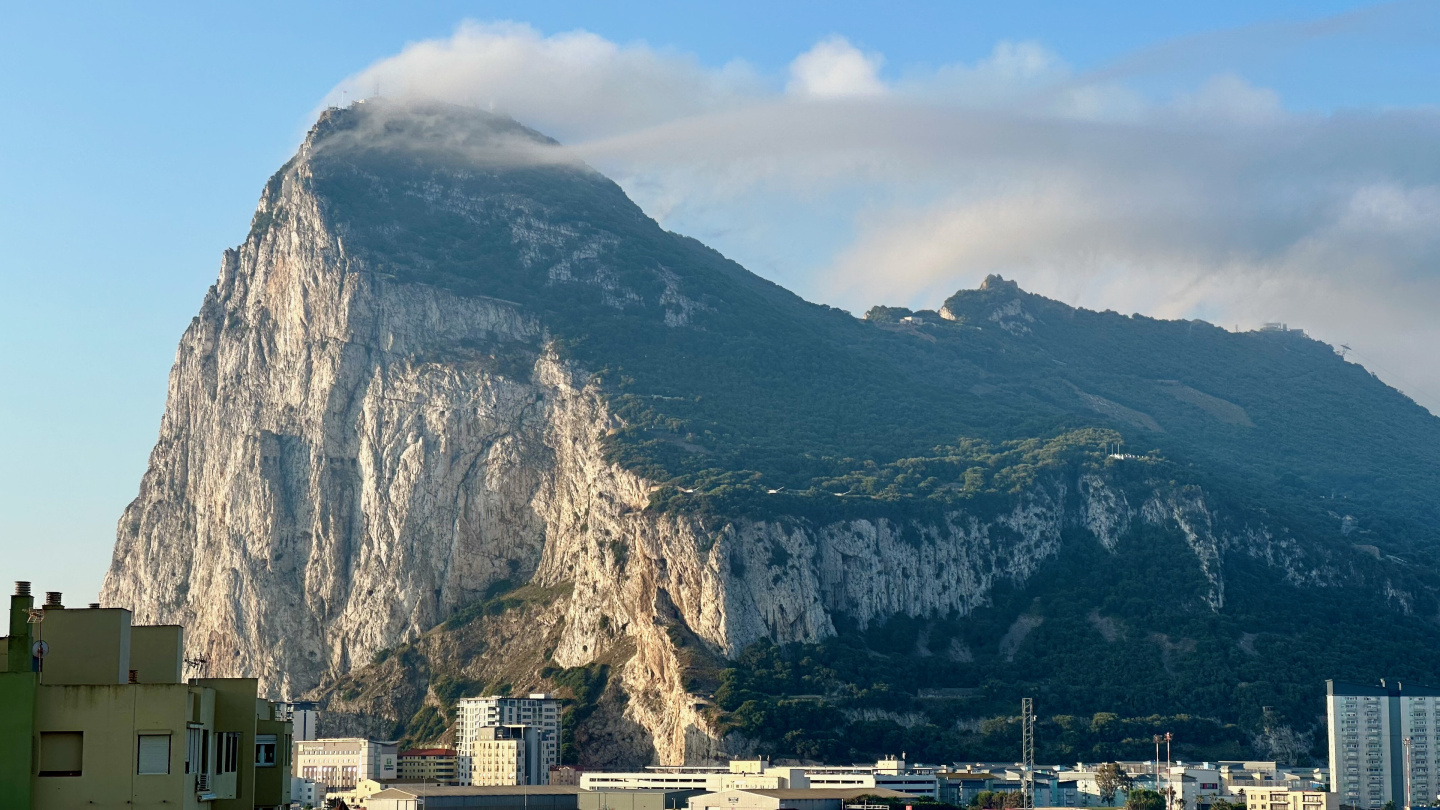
<point x="1027" y="749"/>
<point x="1169" y="787"/>
<point x="1155" y="769"/>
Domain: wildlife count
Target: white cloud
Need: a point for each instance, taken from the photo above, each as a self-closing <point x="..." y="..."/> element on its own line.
<point x="1229" y="99"/>
<point x="1215" y="202"/>
<point x="836" y="69"/>
<point x="572" y="85"/>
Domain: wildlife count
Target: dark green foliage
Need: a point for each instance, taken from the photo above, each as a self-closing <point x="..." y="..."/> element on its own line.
<point x="585" y="685"/>
<point x="997" y="799"/>
<point x="427" y="725"/>
<point x="1144" y="799"/>
<point x="499" y="597"/>
<point x="1100" y="699"/>
<point x="448" y="690"/>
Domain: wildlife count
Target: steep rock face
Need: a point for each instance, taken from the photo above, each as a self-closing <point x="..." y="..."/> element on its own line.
<point x="347" y="457"/>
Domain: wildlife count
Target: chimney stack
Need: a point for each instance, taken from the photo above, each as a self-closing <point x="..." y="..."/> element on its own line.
<point x="17" y="647"/>
<point x="52" y="599"/>
<point x="94" y="605"/>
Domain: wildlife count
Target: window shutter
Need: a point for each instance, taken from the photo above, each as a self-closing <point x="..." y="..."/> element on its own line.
<point x="154" y="756"/>
<point x="61" y="753"/>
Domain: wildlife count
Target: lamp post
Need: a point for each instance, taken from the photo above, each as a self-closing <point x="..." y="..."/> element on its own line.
<point x="1408" y="754"/>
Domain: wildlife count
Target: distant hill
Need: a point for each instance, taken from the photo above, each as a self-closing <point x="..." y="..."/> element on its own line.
<point x="459" y="417"/>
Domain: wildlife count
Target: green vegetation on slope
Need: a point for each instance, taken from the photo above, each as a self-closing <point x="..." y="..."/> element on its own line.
<point x="1123" y="643"/>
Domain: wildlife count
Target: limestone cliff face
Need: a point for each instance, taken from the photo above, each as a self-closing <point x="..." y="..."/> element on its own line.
<point x="346" y="458"/>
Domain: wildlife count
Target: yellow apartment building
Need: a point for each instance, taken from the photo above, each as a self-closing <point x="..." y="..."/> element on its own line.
<point x="94" y="714"/>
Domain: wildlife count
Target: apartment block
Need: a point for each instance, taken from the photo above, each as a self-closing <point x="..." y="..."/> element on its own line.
<point x="1382" y="740"/>
<point x="304" y="717"/>
<point x="501" y="755"/>
<point x="96" y="714"/>
<point x="434" y="766"/>
<point x="538" y="711"/>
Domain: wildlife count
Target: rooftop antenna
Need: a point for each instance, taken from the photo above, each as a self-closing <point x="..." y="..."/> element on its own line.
<point x="197" y="663"/>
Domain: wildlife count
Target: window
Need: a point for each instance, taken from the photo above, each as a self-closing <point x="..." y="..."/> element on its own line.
<point x="153" y="754"/>
<point x="264" y="750"/>
<point x="227" y="752"/>
<point x="61" y="752"/>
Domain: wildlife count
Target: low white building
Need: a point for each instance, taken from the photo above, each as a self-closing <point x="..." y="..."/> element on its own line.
<point x="307" y="792"/>
<point x="758" y="774"/>
<point x="792" y="799"/>
<point x="1283" y="799"/>
<point x="341" y="763"/>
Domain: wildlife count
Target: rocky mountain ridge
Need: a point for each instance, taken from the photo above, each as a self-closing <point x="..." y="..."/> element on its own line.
<point x="361" y="440"/>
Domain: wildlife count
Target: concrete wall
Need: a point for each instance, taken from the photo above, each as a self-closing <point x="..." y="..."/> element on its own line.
<point x="635" y="799"/>
<point x="87" y="646"/>
<point x="157" y="653"/>
<point x="17" y="735"/>
<point x="235" y="711"/>
<point x="110" y="717"/>
<point x="272" y="785"/>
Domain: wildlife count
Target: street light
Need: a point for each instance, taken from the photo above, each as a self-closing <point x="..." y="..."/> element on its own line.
<point x="1408" y="753"/>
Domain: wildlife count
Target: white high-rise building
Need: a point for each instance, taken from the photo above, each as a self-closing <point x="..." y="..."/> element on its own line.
<point x="1381" y="743"/>
<point x="538" y="711"/>
<point x="304" y="716"/>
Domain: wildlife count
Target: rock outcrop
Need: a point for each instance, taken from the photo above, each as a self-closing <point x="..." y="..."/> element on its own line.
<point x="347" y="457"/>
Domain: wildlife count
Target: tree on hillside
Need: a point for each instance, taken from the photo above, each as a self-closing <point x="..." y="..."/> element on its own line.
<point x="1110" y="778"/>
<point x="1144" y="799"/>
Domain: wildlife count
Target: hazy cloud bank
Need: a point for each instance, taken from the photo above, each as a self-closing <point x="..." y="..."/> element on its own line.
<point x="856" y="186"/>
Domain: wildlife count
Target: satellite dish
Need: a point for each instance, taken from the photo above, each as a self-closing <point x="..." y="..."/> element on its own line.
<point x="40" y="649"/>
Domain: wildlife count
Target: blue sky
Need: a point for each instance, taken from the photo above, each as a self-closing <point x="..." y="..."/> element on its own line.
<point x="135" y="142"/>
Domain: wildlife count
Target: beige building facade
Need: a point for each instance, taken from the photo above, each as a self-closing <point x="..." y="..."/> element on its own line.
<point x="434" y="766"/>
<point x="96" y="715"/>
<point x="341" y="762"/>
<point x="1273" y="799"/>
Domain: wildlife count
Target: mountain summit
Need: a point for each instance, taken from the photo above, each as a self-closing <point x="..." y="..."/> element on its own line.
<point x="458" y="417"/>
